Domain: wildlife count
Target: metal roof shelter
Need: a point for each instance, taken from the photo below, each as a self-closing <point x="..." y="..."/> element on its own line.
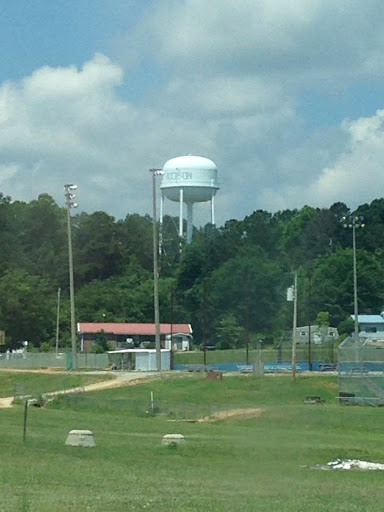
<point x="131" y="328"/>
<point x="369" y="319"/>
<point x="117" y="333"/>
<point x="139" y="359"/>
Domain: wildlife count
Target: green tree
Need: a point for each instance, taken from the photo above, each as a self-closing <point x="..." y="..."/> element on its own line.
<point x="97" y="247"/>
<point x="136" y="241"/>
<point x="27" y="308"/>
<point x="263" y="229"/>
<point x="322" y="319"/>
<point x="250" y="277"/>
<point x="229" y="333"/>
<point x="101" y="341"/>
<point x="43" y="238"/>
<point x="332" y="284"/>
<point x="346" y="326"/>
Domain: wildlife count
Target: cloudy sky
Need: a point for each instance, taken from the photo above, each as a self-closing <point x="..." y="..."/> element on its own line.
<point x="286" y="96"/>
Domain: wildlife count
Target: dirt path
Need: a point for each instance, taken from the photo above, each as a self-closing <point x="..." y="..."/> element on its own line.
<point x="121" y="379"/>
<point x="244" y="414"/>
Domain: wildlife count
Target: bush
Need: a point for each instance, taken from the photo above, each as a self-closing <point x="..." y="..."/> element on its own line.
<point x="45" y="347"/>
<point x="98" y="349"/>
<point x="223" y="345"/>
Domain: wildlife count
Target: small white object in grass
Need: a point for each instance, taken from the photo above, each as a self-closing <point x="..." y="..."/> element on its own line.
<point x="169" y="439"/>
<point x="80" y="438"/>
<point x="352" y="464"/>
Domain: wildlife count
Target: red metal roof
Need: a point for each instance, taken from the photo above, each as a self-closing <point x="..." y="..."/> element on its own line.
<point x="132" y="329"/>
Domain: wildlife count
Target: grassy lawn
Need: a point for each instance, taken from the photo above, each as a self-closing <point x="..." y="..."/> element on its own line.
<point x="258" y="464"/>
<point x="32" y="383"/>
<point x="239" y="355"/>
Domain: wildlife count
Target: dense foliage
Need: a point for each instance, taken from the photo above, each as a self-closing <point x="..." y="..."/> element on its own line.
<point x="229" y="282"/>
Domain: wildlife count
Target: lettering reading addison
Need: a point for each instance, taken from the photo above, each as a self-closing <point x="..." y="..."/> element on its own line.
<point x="179" y="175"/>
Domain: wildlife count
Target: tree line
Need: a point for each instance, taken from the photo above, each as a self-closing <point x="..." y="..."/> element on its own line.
<point x="229" y="282"/>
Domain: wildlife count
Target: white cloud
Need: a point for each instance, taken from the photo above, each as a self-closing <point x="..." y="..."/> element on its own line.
<point x="219" y="28"/>
<point x="356" y="175"/>
<point x="309" y="40"/>
<point x="238" y="70"/>
<point x="7" y="171"/>
<point x="228" y="84"/>
<point x="64" y="125"/>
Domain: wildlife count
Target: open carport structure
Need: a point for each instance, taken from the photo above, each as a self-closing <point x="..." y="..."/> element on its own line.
<point x="138" y="359"/>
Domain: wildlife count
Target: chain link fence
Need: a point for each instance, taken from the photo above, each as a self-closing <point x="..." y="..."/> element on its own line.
<point x="361" y="371"/>
<point x="37" y="360"/>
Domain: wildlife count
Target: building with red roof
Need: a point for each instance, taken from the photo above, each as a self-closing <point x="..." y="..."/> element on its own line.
<point x="122" y="335"/>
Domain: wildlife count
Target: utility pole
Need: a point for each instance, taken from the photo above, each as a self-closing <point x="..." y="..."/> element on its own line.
<point x="294" y="329"/>
<point x="69" y="196"/>
<point x="309" y="326"/>
<point x="156" y="172"/>
<point x="205" y="324"/>
<point x="171" y="319"/>
<point x="247" y="327"/>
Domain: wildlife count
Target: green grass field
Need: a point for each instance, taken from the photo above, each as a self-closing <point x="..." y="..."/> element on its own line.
<point x="268" y="355"/>
<point x="21" y="383"/>
<point x="258" y="464"/>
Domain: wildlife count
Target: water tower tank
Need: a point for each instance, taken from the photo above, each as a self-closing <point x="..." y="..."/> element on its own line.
<point x="195" y="174"/>
<point x="189" y="179"/>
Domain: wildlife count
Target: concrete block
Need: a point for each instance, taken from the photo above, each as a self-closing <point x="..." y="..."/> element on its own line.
<point x="80" y="438"/>
<point x="170" y="439"/>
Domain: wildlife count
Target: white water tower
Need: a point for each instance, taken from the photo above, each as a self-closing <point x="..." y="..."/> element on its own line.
<point x="188" y="180"/>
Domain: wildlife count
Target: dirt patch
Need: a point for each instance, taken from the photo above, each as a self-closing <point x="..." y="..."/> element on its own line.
<point x="330" y="385"/>
<point x="7" y="402"/>
<point x="239" y="414"/>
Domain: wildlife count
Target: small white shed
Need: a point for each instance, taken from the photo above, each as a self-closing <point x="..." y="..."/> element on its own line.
<point x="139" y="359"/>
<point x="178" y="341"/>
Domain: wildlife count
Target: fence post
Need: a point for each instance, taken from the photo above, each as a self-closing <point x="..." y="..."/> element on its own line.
<point x="25" y="420"/>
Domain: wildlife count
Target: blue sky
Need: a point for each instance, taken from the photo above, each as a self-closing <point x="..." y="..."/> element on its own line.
<point x="285" y="97"/>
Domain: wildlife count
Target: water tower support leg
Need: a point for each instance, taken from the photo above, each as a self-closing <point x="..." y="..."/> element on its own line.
<point x="181" y="213"/>
<point x="213" y="210"/>
<point x="189" y="222"/>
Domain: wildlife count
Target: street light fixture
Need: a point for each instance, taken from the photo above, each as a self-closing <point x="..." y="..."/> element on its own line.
<point x="353" y="222"/>
<point x="156" y="172"/>
<point x="69" y="201"/>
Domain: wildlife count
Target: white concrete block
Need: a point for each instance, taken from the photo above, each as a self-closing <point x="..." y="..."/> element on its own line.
<point x="80" y="438"/>
<point x="169" y="439"/>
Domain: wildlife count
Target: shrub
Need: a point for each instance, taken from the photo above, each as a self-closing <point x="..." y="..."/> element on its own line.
<point x="223" y="345"/>
<point x="98" y="349"/>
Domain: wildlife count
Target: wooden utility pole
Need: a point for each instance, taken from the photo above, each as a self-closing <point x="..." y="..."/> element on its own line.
<point x="156" y="272"/>
<point x="205" y="323"/>
<point x="309" y="326"/>
<point x="247" y="327"/>
<point x="294" y="329"/>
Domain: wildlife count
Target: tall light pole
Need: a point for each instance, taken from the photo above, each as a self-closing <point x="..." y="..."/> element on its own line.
<point x="58" y="321"/>
<point x="156" y="172"/>
<point x="69" y="197"/>
<point x="354" y="222"/>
